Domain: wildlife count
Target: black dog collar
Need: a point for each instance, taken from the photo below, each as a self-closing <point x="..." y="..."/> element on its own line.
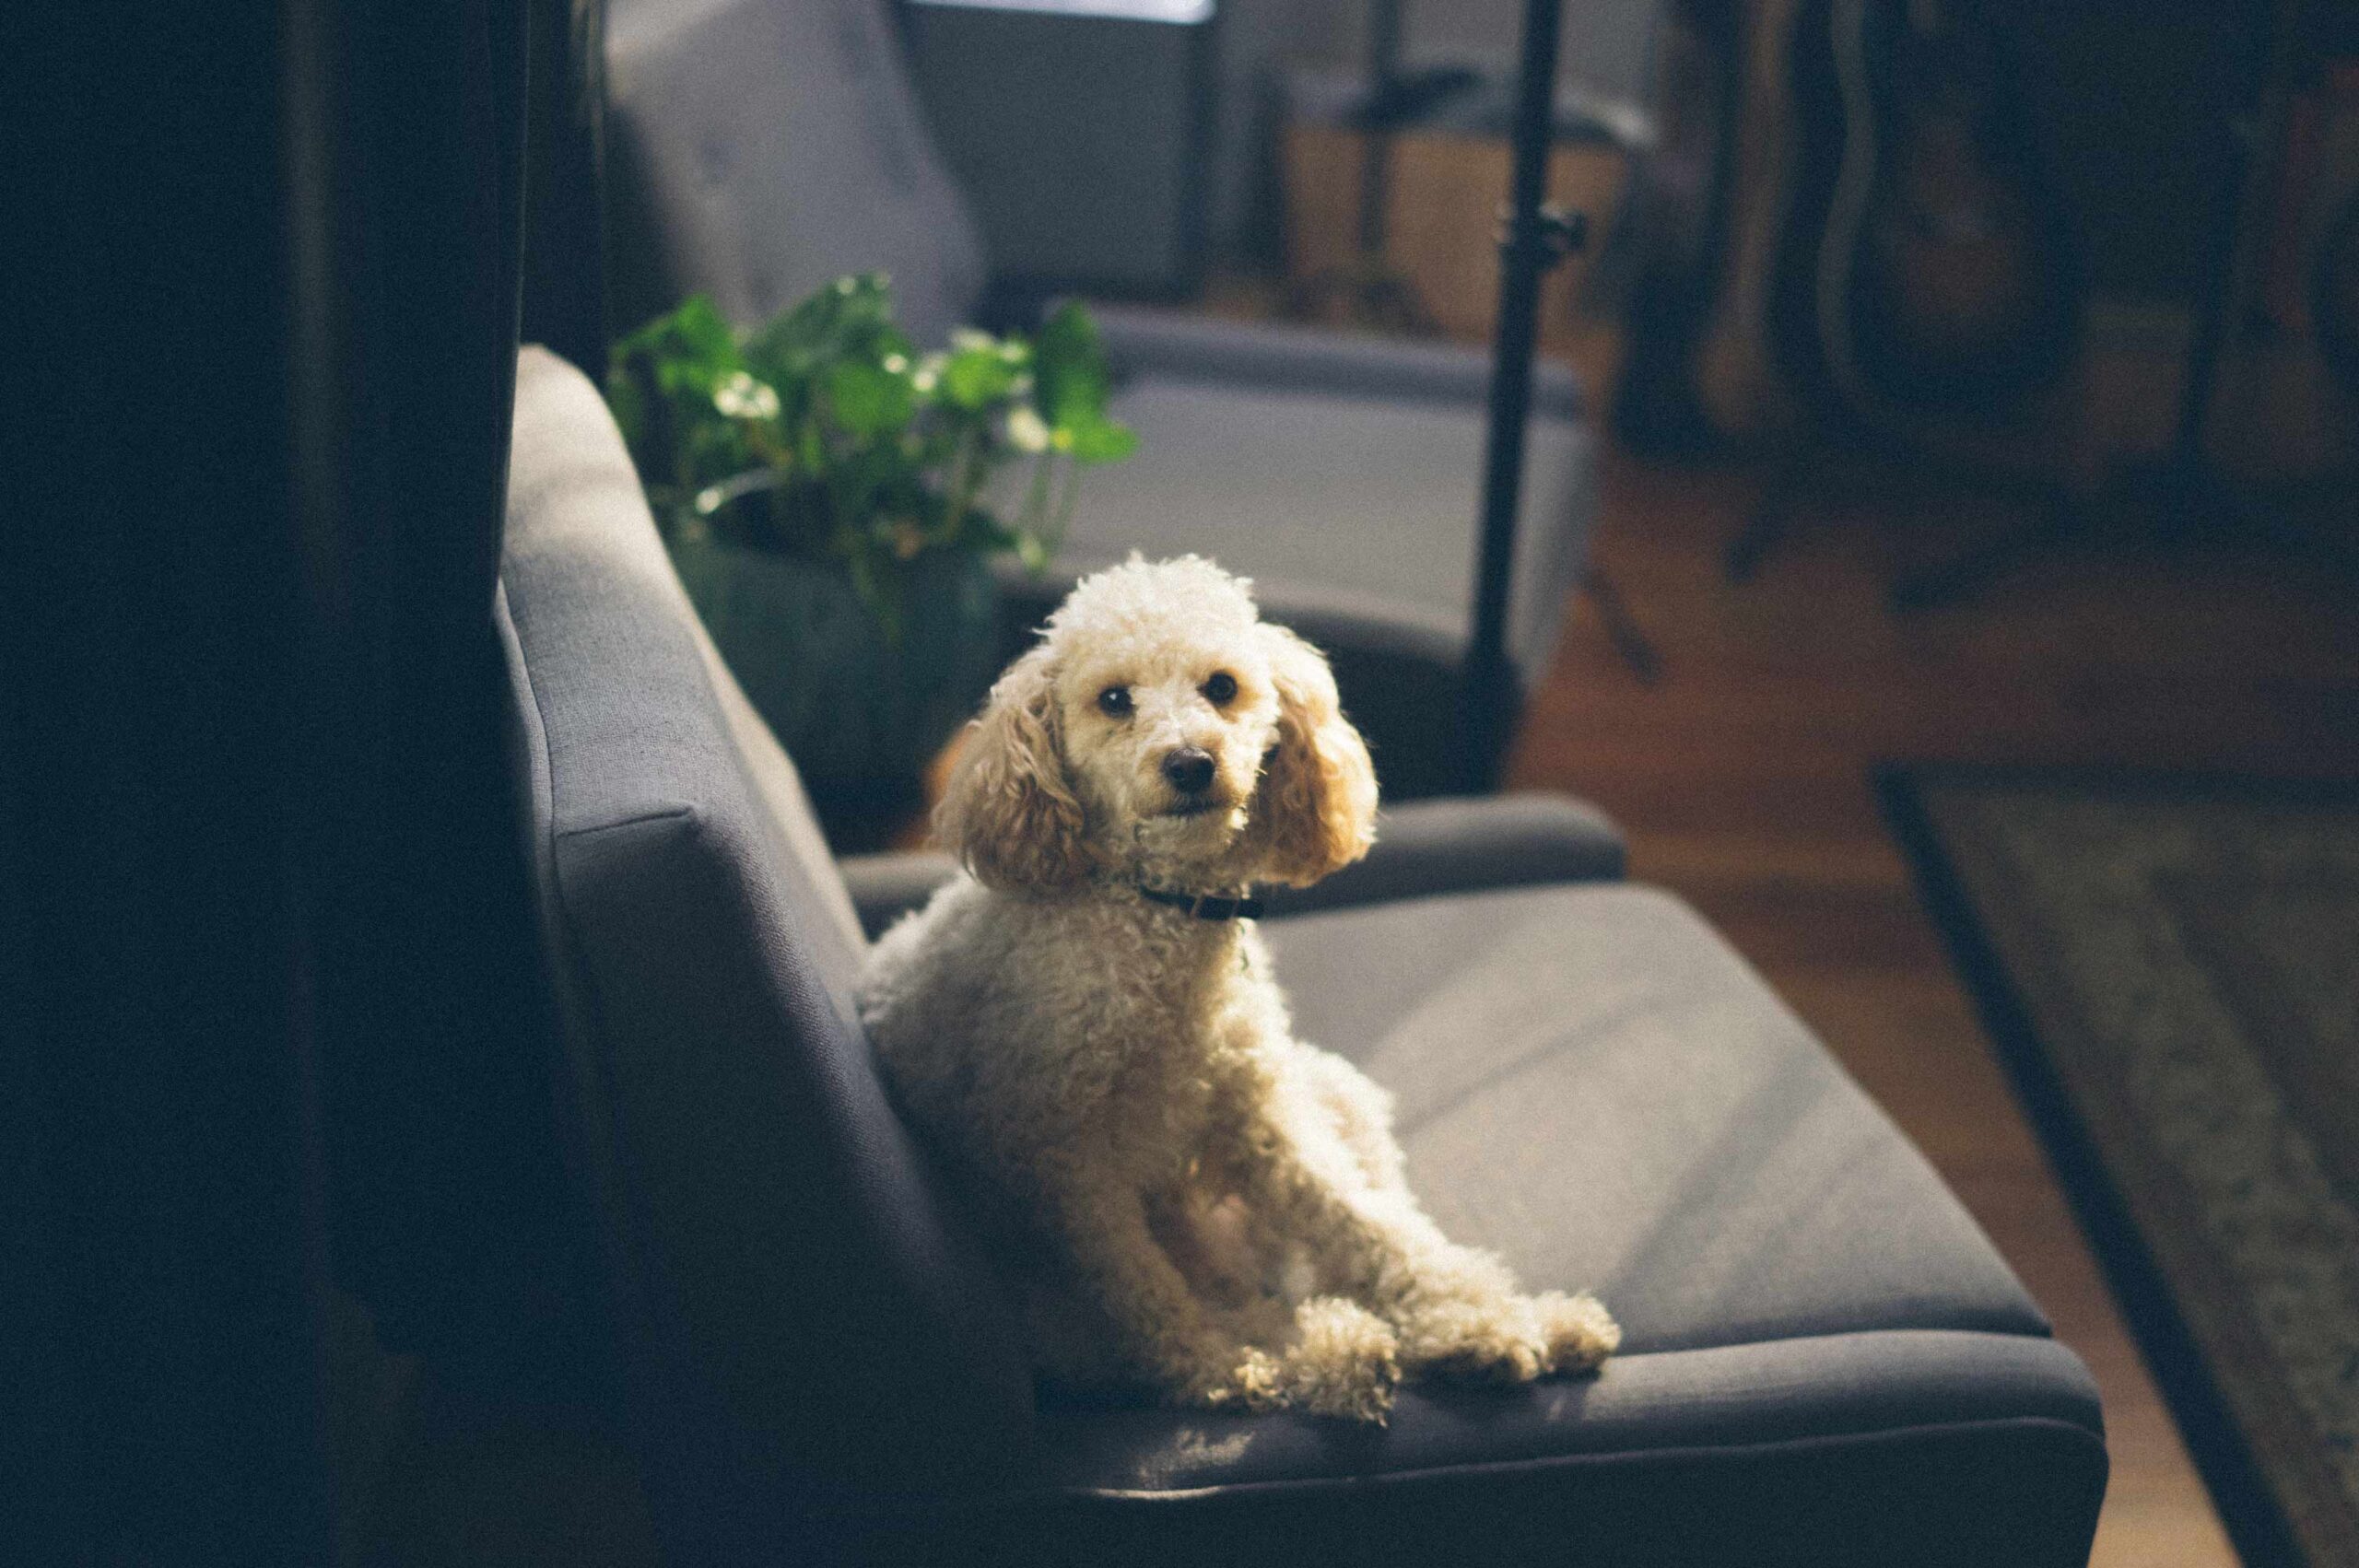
<point x="1205" y="905"/>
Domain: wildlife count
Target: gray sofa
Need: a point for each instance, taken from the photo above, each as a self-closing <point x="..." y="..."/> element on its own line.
<point x="759" y="148"/>
<point x="1825" y="1362"/>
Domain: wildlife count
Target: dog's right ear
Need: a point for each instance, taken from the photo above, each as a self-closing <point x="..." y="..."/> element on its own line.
<point x="1315" y="811"/>
<point x="1009" y="813"/>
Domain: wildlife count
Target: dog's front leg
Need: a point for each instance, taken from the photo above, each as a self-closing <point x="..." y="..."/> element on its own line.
<point x="1456" y="1310"/>
<point x="1165" y="1330"/>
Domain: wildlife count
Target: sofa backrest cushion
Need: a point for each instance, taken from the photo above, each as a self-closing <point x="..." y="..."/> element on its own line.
<point x="760" y="148"/>
<point x="788" y="1291"/>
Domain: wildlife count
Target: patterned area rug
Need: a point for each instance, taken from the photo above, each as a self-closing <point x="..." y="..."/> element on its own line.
<point x="2172" y="968"/>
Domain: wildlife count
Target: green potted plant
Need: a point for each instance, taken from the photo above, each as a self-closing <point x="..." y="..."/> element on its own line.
<point x="832" y="498"/>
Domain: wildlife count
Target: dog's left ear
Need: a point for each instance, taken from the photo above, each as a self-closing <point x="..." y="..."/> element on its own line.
<point x="1009" y="813"/>
<point x="1315" y="811"/>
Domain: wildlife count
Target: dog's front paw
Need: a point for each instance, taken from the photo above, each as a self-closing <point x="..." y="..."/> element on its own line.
<point x="1511" y="1339"/>
<point x="1344" y="1361"/>
<point x="1256" y="1382"/>
<point x="1481" y="1341"/>
<point x="1579" y="1331"/>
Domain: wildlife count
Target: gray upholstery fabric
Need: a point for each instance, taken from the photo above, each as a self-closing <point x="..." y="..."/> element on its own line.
<point x="1911" y="1450"/>
<point x="1592" y="1082"/>
<point x="1843" y="1385"/>
<point x="761" y="149"/>
<point x="1424" y="848"/>
<point x="777" y="1245"/>
<point x="1278" y="356"/>
<point x="885" y="887"/>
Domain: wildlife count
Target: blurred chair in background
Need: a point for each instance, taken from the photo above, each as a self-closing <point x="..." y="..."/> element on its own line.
<point x="760" y="148"/>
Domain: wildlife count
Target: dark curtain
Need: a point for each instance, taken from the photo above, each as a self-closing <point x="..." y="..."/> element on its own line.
<point x="267" y="1013"/>
<point x="446" y="1194"/>
<point x="564" y="275"/>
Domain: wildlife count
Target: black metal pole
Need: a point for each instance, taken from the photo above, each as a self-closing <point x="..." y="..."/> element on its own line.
<point x="1376" y="141"/>
<point x="1529" y="247"/>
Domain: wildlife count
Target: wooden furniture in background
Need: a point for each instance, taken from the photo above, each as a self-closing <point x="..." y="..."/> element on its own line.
<point x="1442" y="219"/>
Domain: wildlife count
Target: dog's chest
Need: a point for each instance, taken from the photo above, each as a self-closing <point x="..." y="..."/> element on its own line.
<point x="1173" y="1014"/>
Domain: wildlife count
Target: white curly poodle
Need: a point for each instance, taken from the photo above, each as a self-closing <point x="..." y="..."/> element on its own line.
<point x="1086" y="1027"/>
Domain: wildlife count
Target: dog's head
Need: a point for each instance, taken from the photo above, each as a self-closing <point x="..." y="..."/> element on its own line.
<point x="1161" y="731"/>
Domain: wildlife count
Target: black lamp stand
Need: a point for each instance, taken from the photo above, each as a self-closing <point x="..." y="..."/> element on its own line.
<point x="1533" y="238"/>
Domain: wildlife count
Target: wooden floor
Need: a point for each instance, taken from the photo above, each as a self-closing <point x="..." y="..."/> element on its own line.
<point x="1742" y="779"/>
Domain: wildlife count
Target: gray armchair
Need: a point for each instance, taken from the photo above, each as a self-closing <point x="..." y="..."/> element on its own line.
<point x="1824" y="1361"/>
<point x="760" y="147"/>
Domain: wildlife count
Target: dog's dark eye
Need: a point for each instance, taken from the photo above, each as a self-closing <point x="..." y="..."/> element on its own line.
<point x="1114" y="702"/>
<point x="1221" y="690"/>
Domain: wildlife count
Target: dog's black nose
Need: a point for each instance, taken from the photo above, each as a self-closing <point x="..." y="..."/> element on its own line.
<point x="1190" y="769"/>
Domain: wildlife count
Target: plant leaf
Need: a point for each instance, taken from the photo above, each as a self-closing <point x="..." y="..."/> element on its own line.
<point x="975" y="378"/>
<point x="874" y="453"/>
<point x="867" y="400"/>
<point x="1071" y="381"/>
<point x="691" y="348"/>
<point x="1100" y="440"/>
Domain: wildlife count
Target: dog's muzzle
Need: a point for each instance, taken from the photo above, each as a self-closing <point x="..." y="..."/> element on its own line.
<point x="1189" y="770"/>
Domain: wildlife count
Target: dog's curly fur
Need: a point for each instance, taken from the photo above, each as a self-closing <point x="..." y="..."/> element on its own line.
<point x="1194" y="1199"/>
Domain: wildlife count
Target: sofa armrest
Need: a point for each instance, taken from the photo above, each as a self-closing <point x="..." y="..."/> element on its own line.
<point x="885" y="887"/>
<point x="1423" y="848"/>
<point x="1429" y="847"/>
<point x="1283" y="356"/>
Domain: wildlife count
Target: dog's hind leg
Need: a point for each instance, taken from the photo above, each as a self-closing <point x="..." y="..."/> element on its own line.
<point x="1165" y="1330"/>
<point x="1360" y="1109"/>
<point x="1342" y="1360"/>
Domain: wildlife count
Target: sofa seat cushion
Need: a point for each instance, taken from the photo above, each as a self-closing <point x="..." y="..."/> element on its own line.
<point x="1593" y="1083"/>
<point x="1356" y="517"/>
<point x="1589" y="1081"/>
<point x="1147" y="339"/>
<point x="1831" y="1386"/>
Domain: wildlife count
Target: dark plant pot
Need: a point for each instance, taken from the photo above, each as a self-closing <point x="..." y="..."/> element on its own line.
<point x="859" y="716"/>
